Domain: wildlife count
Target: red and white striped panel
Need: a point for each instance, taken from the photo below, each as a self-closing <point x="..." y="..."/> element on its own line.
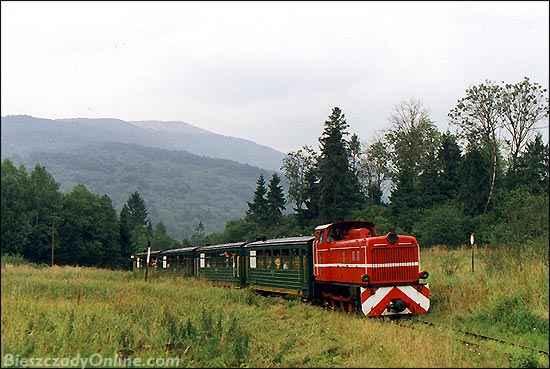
<point x="376" y="303"/>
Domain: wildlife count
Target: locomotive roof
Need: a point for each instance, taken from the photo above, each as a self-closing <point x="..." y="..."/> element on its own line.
<point x="221" y="246"/>
<point x="180" y="250"/>
<point x="355" y="222"/>
<point x="282" y="241"/>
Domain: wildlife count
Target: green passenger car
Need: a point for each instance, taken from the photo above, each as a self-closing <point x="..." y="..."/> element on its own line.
<point x="180" y="261"/>
<point x="281" y="265"/>
<point x="222" y="263"/>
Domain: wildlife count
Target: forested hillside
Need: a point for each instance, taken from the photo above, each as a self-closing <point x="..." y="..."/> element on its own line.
<point x="180" y="189"/>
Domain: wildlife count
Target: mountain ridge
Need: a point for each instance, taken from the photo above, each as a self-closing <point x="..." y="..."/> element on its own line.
<point x="62" y="133"/>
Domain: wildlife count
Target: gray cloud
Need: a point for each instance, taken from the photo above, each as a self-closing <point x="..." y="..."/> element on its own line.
<point x="269" y="72"/>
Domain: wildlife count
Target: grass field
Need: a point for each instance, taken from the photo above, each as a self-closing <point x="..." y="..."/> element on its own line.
<point x="68" y="312"/>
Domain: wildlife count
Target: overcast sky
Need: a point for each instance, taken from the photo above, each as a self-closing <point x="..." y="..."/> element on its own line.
<point x="269" y="72"/>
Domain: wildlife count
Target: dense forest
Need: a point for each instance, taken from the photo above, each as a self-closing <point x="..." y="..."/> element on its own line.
<point x="488" y="175"/>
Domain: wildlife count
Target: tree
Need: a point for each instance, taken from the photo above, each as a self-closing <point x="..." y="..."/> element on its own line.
<point x="413" y="141"/>
<point x="198" y="237"/>
<point x="125" y="233"/>
<point x="296" y="166"/>
<point x="523" y="104"/>
<point x="161" y="240"/>
<point x="275" y="199"/>
<point x="355" y="153"/>
<point x="338" y="186"/>
<point x="137" y="211"/>
<point x="45" y="202"/>
<point x="15" y="205"/>
<point x="374" y="170"/>
<point x="137" y="221"/>
<point x="450" y="158"/>
<point x="478" y="117"/>
<point x="89" y="233"/>
<point x="475" y="172"/>
<point x="531" y="169"/>
<point x="312" y="194"/>
<point x="258" y="208"/>
<point x="443" y="224"/>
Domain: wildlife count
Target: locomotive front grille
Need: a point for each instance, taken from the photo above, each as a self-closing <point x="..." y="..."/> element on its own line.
<point x="393" y="264"/>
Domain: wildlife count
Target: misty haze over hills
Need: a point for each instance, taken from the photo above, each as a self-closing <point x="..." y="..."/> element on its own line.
<point x="23" y="134"/>
<point x="185" y="174"/>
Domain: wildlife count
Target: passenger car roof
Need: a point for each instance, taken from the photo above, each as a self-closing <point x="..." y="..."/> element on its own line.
<point x="144" y="253"/>
<point x="221" y="246"/>
<point x="180" y="250"/>
<point x="282" y="241"/>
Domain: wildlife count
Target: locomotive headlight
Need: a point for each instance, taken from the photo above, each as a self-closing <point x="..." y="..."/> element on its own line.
<point x="365" y="278"/>
<point x="423" y="275"/>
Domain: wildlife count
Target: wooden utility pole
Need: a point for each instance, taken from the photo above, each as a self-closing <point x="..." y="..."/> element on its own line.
<point x="472" y="242"/>
<point x="52" y="240"/>
<point x="147" y="261"/>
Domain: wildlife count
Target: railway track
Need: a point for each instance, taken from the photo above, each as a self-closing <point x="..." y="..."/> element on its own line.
<point x="478" y="336"/>
<point x="402" y="320"/>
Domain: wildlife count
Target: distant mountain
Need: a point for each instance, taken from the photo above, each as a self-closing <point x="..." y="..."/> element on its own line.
<point x="23" y="134"/>
<point x="185" y="174"/>
<point x="179" y="188"/>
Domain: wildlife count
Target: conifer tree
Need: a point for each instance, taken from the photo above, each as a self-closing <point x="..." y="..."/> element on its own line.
<point x="338" y="186"/>
<point x="275" y="199"/>
<point x="125" y="233"/>
<point x="198" y="237"/>
<point x="451" y="159"/>
<point x="531" y="168"/>
<point x="258" y="208"/>
<point x="137" y="211"/>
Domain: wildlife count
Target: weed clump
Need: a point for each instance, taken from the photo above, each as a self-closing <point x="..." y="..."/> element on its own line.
<point x="513" y="313"/>
<point x="520" y="359"/>
<point x="210" y="341"/>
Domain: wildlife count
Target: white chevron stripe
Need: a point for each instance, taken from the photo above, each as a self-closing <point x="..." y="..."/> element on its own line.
<point x="416" y="296"/>
<point x="373" y="300"/>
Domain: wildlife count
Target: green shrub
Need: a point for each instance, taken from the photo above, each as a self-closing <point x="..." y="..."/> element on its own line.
<point x="522" y="359"/>
<point x="16" y="259"/>
<point x="444" y="225"/>
<point x="518" y="216"/>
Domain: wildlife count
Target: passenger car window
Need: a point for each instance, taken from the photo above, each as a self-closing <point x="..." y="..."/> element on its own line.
<point x="285" y="259"/>
<point x="277" y="259"/>
<point x="295" y="260"/>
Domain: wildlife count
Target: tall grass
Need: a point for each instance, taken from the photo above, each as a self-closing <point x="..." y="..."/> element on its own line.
<point x="67" y="311"/>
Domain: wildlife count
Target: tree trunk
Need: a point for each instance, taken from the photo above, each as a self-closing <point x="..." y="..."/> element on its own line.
<point x="493" y="175"/>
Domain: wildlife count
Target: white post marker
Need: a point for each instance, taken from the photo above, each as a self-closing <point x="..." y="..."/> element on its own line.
<point x="147" y="265"/>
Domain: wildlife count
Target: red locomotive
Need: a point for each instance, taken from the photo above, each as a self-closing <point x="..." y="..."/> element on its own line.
<point x="380" y="275"/>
